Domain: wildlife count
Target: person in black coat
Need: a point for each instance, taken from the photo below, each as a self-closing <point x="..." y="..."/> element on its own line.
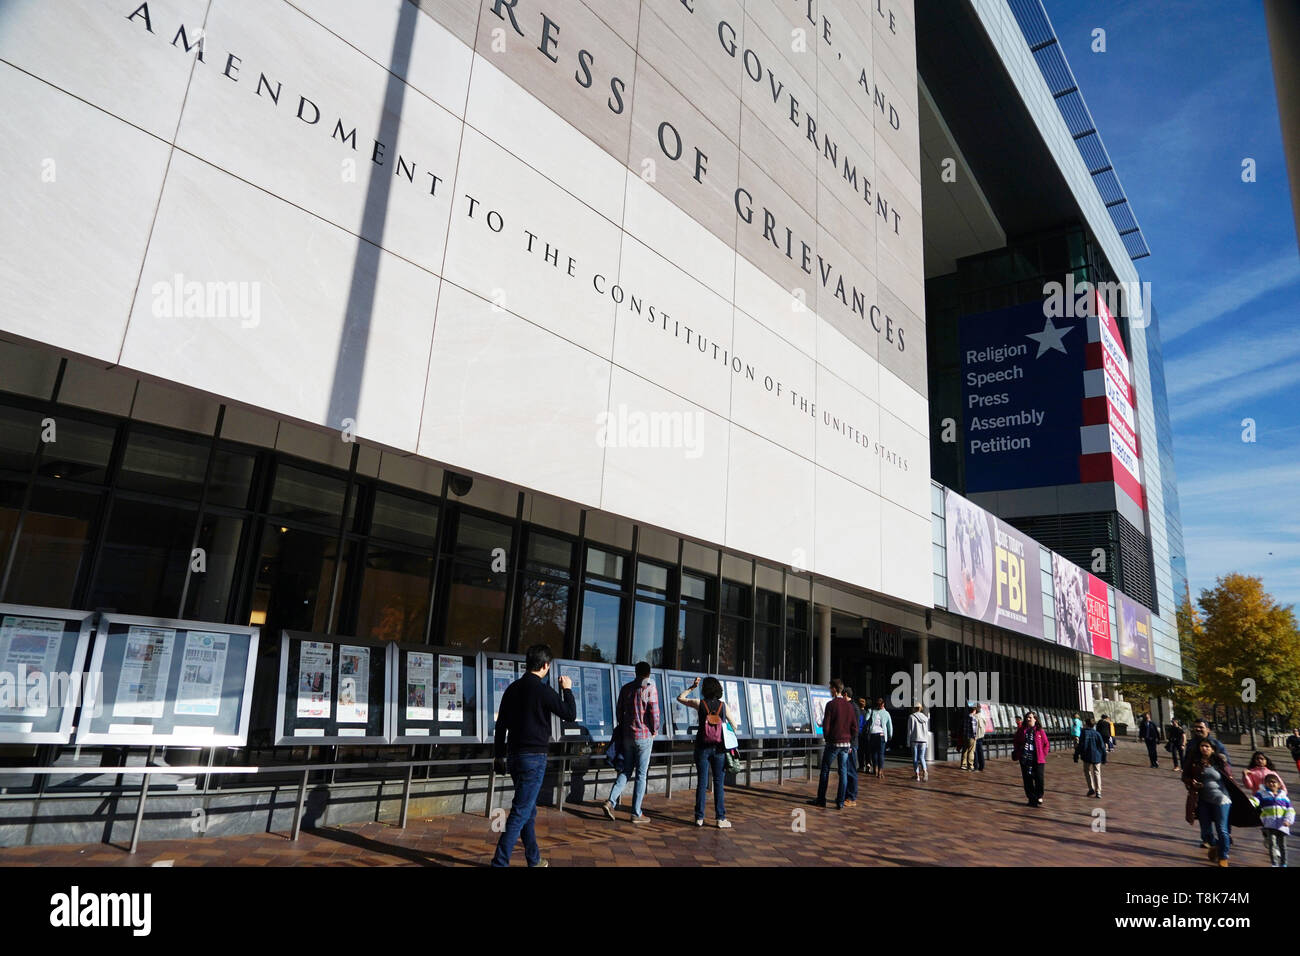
<point x="1177" y="741"/>
<point x="1149" y="734"/>
<point x="1092" y="750"/>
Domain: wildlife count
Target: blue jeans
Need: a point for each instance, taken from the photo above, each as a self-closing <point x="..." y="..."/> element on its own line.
<point x="527" y="772"/>
<point x="1215" y="818"/>
<point x="918" y="757"/>
<point x="706" y="759"/>
<point x="851" y="790"/>
<point x="839" y="756"/>
<point x="636" y="760"/>
<point x="878" y="742"/>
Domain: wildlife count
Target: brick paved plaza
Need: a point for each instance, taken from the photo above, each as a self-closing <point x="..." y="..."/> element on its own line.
<point x="956" y="819"/>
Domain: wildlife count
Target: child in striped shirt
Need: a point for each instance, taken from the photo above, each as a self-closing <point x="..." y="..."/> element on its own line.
<point x="1275" y="816"/>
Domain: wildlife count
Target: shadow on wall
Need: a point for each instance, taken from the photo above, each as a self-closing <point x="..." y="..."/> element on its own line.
<point x="349" y="366"/>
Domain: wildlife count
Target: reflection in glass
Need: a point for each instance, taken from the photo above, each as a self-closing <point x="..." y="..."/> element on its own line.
<point x="209" y="592"/>
<point x="398" y="518"/>
<point x="648" y="628"/>
<point x="732" y="639"/>
<point x="163" y="465"/>
<point x="79" y="452"/>
<point x="306" y="496"/>
<point x="294" y="575"/>
<point x="600" y="616"/>
<point x="544" y="613"/>
<point x="694" y="634"/>
<point x="52" y="550"/>
<point x="476" y="604"/>
<point x="394" y="599"/>
<point x="20" y="436"/>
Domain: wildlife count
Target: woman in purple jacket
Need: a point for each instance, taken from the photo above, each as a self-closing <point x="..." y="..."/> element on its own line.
<point x="1031" y="747"/>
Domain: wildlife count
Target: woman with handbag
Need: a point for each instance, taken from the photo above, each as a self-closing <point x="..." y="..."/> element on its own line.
<point x="710" y="746"/>
<point x="1208" y="777"/>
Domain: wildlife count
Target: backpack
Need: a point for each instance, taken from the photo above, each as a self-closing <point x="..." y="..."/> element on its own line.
<point x="712" y="726"/>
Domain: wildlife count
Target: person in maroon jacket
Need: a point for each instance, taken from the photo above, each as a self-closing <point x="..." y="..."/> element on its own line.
<point x="838" y="726"/>
<point x="1031" y="747"/>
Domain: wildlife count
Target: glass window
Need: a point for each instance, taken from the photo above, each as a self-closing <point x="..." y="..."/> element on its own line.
<point x="476" y="606"/>
<point x="733" y="639"/>
<point x="797" y="656"/>
<point x="767" y="651"/>
<point x="209" y="593"/>
<point x="796" y="616"/>
<point x="694" y="588"/>
<point x="79" y="452"/>
<point x="20" y="435"/>
<point x="399" y="518"/>
<point x="735" y="598"/>
<point x="394" y="601"/>
<point x="600" y="621"/>
<point x="544" y="613"/>
<point x="144" y="559"/>
<point x="306" y="496"/>
<point x="694" y="639"/>
<point x="295" y="573"/>
<point x="165" y="466"/>
<point x="769" y="606"/>
<point x="11" y="503"/>
<point x="605" y="565"/>
<point x="648" y="627"/>
<point x="232" y="476"/>
<point x="651" y="579"/>
<point x="478" y="538"/>
<point x="545" y="551"/>
<point x="52" y="549"/>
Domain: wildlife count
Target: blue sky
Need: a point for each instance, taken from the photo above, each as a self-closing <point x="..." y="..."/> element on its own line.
<point x="1182" y="94"/>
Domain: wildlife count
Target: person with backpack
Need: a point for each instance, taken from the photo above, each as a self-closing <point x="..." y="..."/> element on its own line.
<point x="637" y="719"/>
<point x="837" y="731"/>
<point x="1089" y="746"/>
<point x="1107" y="731"/>
<point x="710" y="747"/>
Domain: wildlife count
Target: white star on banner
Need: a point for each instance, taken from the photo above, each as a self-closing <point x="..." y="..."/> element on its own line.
<point x="1049" y="338"/>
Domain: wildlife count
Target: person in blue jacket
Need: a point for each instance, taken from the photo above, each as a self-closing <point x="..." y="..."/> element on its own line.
<point x="1092" y="750"/>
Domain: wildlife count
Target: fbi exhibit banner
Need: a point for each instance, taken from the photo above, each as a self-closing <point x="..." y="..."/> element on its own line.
<point x="480" y="231"/>
<point x="993" y="569"/>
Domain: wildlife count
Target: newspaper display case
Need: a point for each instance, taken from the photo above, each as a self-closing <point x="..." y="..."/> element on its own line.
<point x="157" y="681"/>
<point x="436" y="694"/>
<point x="764" y="707"/>
<point x="42" y="657"/>
<point x="334" y="690"/>
<point x="593" y="693"/>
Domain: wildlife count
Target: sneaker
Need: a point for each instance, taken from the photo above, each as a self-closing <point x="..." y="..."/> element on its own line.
<point x="638" y="818"/>
<point x="609" y="809"/>
<point x="817" y="803"/>
<point x="1223" y="862"/>
<point x="1098" y="794"/>
<point x="1205" y="846"/>
<point x="699" y="822"/>
<point x="850" y="803"/>
<point x="926" y="776"/>
<point x="539" y="863"/>
<point x="1091" y="793"/>
<point x="724" y="824"/>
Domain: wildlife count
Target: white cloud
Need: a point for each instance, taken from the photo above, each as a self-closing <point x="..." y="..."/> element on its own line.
<point x="1232" y="292"/>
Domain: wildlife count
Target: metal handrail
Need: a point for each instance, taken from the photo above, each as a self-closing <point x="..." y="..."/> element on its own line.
<point x="409" y="765"/>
